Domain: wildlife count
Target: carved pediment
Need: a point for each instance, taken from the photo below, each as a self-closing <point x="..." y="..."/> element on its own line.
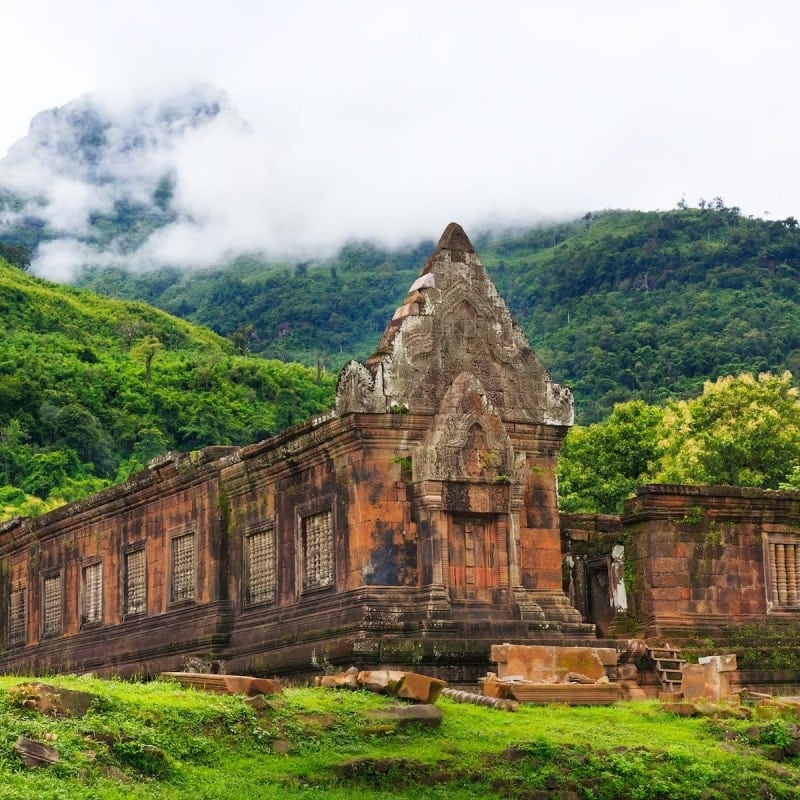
<point x="468" y="440"/>
<point x="454" y="321"/>
<point x="359" y="391"/>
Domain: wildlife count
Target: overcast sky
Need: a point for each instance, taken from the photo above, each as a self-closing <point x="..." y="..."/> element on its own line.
<point x="390" y="119"/>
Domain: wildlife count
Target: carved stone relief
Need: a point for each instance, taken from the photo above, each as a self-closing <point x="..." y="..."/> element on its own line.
<point x="468" y="440"/>
<point x="454" y="321"/>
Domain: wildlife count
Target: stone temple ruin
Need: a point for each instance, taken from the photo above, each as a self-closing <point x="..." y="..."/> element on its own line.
<point x="414" y="526"/>
<point x="417" y="523"/>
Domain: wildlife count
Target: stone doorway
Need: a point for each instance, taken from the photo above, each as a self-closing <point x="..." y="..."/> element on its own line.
<point x="473" y="557"/>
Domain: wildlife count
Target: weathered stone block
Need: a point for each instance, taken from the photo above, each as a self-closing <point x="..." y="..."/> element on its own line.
<point x="226" y="684"/>
<point x="383" y="681"/>
<point x="35" y="754"/>
<point x="341" y="680"/>
<point x="420" y="688"/>
<point x="726" y="663"/>
<point x="548" y="663"/>
<point x="704" y="681"/>
<point x="51" y="700"/>
<point x="422" y="715"/>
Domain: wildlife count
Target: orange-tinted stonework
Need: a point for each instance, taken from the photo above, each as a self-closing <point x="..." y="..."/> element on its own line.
<point x="416" y="523"/>
<point x="697" y="560"/>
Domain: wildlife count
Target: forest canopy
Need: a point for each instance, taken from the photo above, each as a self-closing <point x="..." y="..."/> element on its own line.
<point x="92" y="388"/>
<point x="741" y="431"/>
<point x="619" y="305"/>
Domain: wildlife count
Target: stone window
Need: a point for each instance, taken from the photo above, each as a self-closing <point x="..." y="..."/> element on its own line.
<point x="16" y="616"/>
<point x="259" y="567"/>
<point x="51" y="605"/>
<point x="182" y="586"/>
<point x="92" y="594"/>
<point x="317" y="550"/>
<point x="783" y="560"/>
<point x="135" y="583"/>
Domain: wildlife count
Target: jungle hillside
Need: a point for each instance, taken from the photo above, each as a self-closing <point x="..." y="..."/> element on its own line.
<point x="619" y="305"/>
<point x="92" y="388"/>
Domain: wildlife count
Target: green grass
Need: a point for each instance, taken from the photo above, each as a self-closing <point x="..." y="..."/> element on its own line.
<point x="161" y="741"/>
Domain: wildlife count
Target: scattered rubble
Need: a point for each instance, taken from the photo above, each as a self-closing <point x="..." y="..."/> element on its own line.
<point x="51" y="700"/>
<point x="405" y="685"/>
<point x="225" y="684"/>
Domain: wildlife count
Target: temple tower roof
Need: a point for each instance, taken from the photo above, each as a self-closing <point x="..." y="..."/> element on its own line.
<point x="453" y="321"/>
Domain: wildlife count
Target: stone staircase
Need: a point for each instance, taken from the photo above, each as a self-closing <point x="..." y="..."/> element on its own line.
<point x="668" y="665"/>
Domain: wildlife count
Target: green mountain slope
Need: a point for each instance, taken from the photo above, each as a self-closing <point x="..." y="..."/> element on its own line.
<point x="636" y="305"/>
<point x="91" y="388"/>
<point x="620" y="305"/>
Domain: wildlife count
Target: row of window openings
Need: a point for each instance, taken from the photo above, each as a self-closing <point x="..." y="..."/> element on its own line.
<point x="260" y="577"/>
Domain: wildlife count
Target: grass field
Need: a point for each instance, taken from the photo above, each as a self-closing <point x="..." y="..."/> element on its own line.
<point x="159" y="740"/>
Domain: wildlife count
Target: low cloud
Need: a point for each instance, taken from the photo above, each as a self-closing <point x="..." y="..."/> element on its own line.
<point x="387" y="121"/>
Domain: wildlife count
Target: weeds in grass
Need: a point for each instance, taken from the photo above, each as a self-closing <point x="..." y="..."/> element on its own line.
<point x="164" y="742"/>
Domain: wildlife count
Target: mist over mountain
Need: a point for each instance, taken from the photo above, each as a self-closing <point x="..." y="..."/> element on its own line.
<point x="183" y="181"/>
<point x="96" y="182"/>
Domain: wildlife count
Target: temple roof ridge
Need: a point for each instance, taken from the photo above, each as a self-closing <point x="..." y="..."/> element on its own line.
<point x="452" y="320"/>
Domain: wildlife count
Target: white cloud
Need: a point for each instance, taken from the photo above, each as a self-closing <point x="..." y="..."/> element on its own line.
<point x="389" y="120"/>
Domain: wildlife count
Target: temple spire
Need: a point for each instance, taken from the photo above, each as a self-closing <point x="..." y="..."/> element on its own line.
<point x="453" y="322"/>
<point x="454" y="238"/>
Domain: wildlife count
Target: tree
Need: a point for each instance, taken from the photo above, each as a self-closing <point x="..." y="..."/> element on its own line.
<point x="602" y="463"/>
<point x="146" y="351"/>
<point x="241" y="338"/>
<point x="18" y="256"/>
<point x="742" y="431"/>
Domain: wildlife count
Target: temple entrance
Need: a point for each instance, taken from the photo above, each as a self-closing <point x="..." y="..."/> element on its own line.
<point x="473" y="557"/>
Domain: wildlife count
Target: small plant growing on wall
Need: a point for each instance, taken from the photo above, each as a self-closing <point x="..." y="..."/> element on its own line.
<point x="693" y="517"/>
<point x="405" y="466"/>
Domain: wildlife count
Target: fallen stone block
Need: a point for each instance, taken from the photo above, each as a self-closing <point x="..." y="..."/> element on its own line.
<point x="491" y="687"/>
<point x="565" y="693"/>
<point x="383" y="681"/>
<point x="35" y="754"/>
<point x="225" y="684"/>
<point x="51" y="700"/>
<point x="420" y="688"/>
<point x="340" y="680"/>
<point x="777" y="707"/>
<point x="726" y="663"/>
<point x="546" y="663"/>
<point x="703" y="680"/>
<point x="423" y="715"/>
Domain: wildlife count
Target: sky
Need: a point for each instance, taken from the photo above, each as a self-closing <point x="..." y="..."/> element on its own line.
<point x="388" y="120"/>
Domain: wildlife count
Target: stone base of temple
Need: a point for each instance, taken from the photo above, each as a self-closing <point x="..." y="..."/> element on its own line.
<point x="376" y="627"/>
